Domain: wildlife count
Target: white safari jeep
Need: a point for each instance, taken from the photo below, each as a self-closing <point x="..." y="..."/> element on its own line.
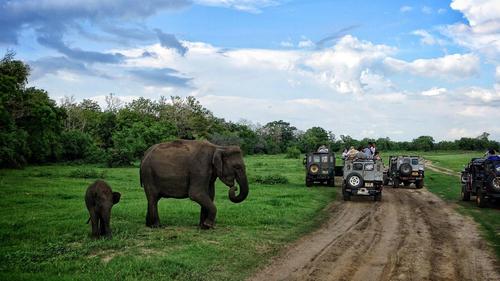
<point x="363" y="177"/>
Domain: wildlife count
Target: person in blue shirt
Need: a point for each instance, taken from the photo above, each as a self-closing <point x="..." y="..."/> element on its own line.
<point x="368" y="151"/>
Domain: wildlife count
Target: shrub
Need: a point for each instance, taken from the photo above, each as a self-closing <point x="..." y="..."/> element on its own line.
<point x="270" y="179"/>
<point x="87" y="173"/>
<point x="75" y="144"/>
<point x="119" y="157"/>
<point x="292" y="152"/>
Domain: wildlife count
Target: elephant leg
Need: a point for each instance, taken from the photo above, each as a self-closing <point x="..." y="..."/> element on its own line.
<point x="94" y="220"/>
<point x="105" y="228"/>
<point x="204" y="211"/>
<point x="152" y="218"/>
<point x="205" y="202"/>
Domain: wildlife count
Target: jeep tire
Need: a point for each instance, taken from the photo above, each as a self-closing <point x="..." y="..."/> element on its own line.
<point x="405" y="169"/>
<point x="465" y="194"/>
<point x="419" y="184"/>
<point x="395" y="183"/>
<point x="309" y="183"/>
<point x="354" y="180"/>
<point x="377" y="197"/>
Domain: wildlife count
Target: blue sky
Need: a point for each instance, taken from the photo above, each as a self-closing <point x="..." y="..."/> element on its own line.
<point x="364" y="68"/>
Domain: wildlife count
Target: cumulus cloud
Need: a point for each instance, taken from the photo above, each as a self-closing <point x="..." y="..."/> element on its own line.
<point x="451" y="66"/>
<point x="341" y="66"/>
<point x="434" y="91"/>
<point x="426" y="38"/>
<point x="481" y="33"/>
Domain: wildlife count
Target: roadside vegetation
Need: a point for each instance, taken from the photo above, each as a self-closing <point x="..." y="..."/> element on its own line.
<point x="45" y="236"/>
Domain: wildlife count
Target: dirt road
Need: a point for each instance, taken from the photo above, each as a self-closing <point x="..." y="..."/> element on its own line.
<point x="410" y="235"/>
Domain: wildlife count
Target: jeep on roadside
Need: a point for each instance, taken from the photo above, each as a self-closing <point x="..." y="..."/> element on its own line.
<point x="320" y="168"/>
<point x="481" y="178"/>
<point x="406" y="170"/>
<point x="363" y="177"/>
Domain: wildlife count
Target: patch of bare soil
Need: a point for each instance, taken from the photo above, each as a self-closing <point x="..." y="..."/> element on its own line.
<point x="446" y="171"/>
<point x="409" y="235"/>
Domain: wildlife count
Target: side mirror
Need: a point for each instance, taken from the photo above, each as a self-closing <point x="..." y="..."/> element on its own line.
<point x="304" y="161"/>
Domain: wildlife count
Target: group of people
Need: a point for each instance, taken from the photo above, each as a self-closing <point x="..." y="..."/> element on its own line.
<point x="491" y="154"/>
<point x="369" y="152"/>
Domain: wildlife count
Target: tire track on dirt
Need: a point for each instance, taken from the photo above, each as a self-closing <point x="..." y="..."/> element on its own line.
<point x="410" y="235"/>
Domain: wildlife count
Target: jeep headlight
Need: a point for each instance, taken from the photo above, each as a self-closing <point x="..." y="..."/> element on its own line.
<point x="498" y="168"/>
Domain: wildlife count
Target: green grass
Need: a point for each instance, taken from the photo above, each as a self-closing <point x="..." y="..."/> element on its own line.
<point x="448" y="187"/>
<point x="44" y="235"/>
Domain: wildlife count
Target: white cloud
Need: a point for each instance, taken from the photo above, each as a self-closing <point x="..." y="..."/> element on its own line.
<point x="482" y="33"/>
<point x="286" y="44"/>
<point x="457" y="133"/>
<point x="253" y="6"/>
<point x="483" y="95"/>
<point x="405" y="9"/>
<point x="441" y="11"/>
<point x="451" y="66"/>
<point x="306" y="43"/>
<point x="434" y="91"/>
<point x="341" y="66"/>
<point x="426" y="38"/>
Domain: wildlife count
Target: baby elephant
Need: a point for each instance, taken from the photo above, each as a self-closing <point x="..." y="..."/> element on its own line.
<point x="99" y="199"/>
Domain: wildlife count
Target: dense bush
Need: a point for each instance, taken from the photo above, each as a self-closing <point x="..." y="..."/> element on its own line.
<point x="293" y="152"/>
<point x="270" y="179"/>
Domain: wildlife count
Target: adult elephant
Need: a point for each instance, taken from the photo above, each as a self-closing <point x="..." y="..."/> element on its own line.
<point x="188" y="168"/>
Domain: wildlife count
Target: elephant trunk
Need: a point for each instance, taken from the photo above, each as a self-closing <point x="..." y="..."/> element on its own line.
<point x="243" y="183"/>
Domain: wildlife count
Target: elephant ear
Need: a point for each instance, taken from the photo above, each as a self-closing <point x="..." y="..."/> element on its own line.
<point x="116" y="197"/>
<point x="217" y="162"/>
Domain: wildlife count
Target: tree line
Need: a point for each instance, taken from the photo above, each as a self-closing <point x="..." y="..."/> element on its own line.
<point x="34" y="129"/>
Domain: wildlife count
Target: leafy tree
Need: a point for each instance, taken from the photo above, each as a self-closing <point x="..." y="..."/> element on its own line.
<point x="313" y="138"/>
<point x="423" y="143"/>
<point x="279" y="135"/>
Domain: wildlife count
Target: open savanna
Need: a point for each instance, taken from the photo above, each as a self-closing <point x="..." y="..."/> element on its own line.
<point x="44" y="235"/>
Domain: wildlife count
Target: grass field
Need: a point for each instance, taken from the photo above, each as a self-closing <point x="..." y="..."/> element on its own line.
<point x="45" y="236"/>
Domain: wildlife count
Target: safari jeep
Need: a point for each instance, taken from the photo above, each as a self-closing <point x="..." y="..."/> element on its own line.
<point x="363" y="177"/>
<point x="406" y="170"/>
<point x="481" y="178"/>
<point x="320" y="168"/>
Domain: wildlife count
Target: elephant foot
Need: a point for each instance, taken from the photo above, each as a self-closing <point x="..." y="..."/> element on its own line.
<point x="154" y="225"/>
<point x="207" y="225"/>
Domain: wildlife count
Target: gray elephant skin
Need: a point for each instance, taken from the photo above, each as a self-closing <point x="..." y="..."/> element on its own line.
<point x="189" y="169"/>
<point x="99" y="199"/>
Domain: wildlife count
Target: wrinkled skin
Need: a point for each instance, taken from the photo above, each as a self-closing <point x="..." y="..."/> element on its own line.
<point x="189" y="169"/>
<point x="99" y="199"/>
